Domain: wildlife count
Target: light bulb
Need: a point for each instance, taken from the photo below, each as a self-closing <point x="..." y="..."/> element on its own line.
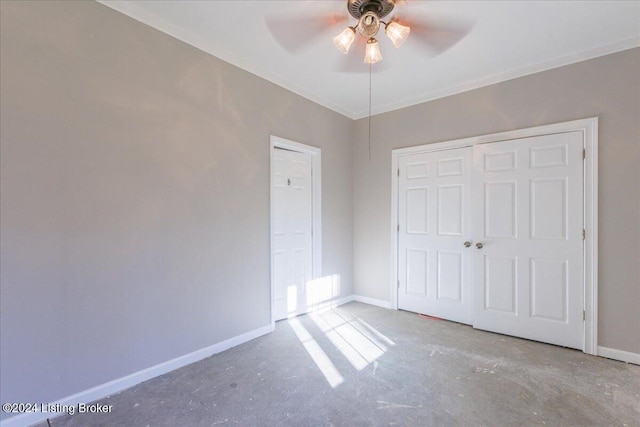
<point x="397" y="33"/>
<point x="368" y="25"/>
<point x="344" y="40"/>
<point x="373" y="54"/>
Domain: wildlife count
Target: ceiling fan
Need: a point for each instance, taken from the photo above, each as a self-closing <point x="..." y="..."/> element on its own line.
<point x="369" y="14"/>
<point x="437" y="33"/>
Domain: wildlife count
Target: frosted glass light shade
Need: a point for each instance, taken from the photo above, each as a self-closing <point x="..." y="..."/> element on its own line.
<point x="397" y="33"/>
<point x="373" y="54"/>
<point x="344" y="40"/>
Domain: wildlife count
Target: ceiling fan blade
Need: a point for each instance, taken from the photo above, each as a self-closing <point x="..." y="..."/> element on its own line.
<point x="294" y="33"/>
<point x="436" y="33"/>
<point x="400" y="11"/>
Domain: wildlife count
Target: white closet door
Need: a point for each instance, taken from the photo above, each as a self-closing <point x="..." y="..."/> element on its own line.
<point x="434" y="223"/>
<point x="528" y="220"/>
<point x="292" y="225"/>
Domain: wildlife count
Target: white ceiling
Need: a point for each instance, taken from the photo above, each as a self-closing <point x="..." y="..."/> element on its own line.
<point x="506" y="39"/>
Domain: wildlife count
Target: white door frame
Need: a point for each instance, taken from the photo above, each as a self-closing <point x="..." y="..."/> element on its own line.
<point x="589" y="129"/>
<point x="316" y="233"/>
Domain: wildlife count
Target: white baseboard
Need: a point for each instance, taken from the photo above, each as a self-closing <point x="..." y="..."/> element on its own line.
<point x="115" y="386"/>
<point x="333" y="303"/>
<point x="344" y="300"/>
<point x="624" y="356"/>
<point x="372" y="301"/>
<point x="328" y="305"/>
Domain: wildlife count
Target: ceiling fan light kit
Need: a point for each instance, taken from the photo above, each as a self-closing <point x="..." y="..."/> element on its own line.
<point x="372" y="54"/>
<point x="369" y="14"/>
<point x="344" y="40"/>
<point x="397" y="33"/>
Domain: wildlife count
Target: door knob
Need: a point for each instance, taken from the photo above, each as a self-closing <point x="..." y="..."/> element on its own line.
<point x="479" y="245"/>
<point x="467" y="244"/>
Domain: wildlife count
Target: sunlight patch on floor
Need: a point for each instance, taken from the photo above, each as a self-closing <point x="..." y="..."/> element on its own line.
<point x="347" y="350"/>
<point x="376" y="332"/>
<point x="354" y="340"/>
<point x="318" y="355"/>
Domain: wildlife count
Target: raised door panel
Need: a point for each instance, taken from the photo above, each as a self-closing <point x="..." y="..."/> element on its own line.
<point x="417" y="215"/>
<point x="549" y="288"/>
<point x="450" y="210"/>
<point x="451" y="167"/>
<point x="417" y="269"/>
<point x="548" y="156"/>
<point x="500" y="211"/>
<point x="548" y="208"/>
<point x="416" y="169"/>
<point x="499" y="161"/>
<point x="449" y="276"/>
<point x="500" y="284"/>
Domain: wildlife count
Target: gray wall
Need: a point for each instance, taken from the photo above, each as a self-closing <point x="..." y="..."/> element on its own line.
<point x="606" y="87"/>
<point x="135" y="197"/>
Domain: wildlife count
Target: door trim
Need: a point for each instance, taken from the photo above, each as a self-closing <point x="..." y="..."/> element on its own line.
<point x="316" y="197"/>
<point x="589" y="129"/>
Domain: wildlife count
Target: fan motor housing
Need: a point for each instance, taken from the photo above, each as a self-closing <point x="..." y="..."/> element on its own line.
<point x="381" y="8"/>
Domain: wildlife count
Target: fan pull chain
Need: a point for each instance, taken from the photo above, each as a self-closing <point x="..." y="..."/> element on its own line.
<point x="369" y="111"/>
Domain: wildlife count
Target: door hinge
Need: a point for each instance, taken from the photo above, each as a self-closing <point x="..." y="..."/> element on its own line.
<point x="584" y="153"/>
<point x="584" y="234"/>
<point x="584" y="315"/>
<point x="398" y="228"/>
<point x="398" y="284"/>
<point x="398" y="171"/>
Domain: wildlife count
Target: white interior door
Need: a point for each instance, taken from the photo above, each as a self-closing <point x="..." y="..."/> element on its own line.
<point x="434" y="224"/>
<point x="528" y="230"/>
<point x="292" y="231"/>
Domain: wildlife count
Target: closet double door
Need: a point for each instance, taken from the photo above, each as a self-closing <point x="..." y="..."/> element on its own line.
<point x="492" y="236"/>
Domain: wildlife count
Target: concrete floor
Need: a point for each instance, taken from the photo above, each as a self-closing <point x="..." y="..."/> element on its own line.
<point x="360" y="365"/>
